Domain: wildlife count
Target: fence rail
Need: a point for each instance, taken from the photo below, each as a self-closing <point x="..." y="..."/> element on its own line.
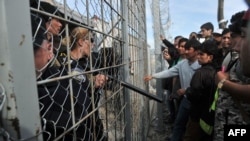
<point x="111" y="112"/>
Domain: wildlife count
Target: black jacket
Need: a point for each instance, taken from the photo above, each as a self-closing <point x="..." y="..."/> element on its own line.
<point x="55" y="106"/>
<point x="201" y="91"/>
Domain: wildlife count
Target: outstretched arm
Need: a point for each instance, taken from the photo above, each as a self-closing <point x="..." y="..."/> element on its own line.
<point x="148" y="78"/>
<point x="166" y="42"/>
<point x="174" y="71"/>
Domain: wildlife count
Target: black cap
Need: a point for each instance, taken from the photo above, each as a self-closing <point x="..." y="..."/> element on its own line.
<point x="38" y="30"/>
<point x="46" y="7"/>
<point x="236" y="21"/>
<point x="208" y="26"/>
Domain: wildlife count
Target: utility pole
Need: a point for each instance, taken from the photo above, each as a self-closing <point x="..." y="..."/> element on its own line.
<point x="220" y="15"/>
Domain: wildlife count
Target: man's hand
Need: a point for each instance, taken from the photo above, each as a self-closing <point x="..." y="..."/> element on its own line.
<point x="162" y="37"/>
<point x="100" y="80"/>
<point x="181" y="92"/>
<point x="148" y="77"/>
<point x="221" y="75"/>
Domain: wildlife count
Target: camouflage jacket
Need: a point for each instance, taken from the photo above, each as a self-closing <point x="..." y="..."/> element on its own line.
<point x="228" y="109"/>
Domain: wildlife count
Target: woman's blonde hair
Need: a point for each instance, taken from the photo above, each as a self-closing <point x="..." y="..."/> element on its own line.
<point x="76" y="34"/>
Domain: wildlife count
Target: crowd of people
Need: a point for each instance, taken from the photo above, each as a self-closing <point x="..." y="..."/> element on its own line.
<point x="67" y="104"/>
<point x="208" y="81"/>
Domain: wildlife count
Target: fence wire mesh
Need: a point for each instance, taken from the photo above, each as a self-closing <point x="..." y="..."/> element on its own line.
<point x="83" y="50"/>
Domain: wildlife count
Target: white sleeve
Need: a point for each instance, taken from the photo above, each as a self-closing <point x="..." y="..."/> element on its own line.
<point x="174" y="71"/>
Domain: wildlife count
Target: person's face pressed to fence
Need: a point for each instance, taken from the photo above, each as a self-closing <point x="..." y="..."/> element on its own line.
<point x="54" y="26"/>
<point x="82" y="41"/>
<point x="87" y="44"/>
<point x="42" y="55"/>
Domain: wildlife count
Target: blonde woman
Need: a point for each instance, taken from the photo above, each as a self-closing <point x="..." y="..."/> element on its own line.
<point x="81" y="42"/>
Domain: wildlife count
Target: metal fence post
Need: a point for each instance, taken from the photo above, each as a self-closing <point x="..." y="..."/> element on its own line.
<point x="17" y="72"/>
<point x="126" y="69"/>
<point x="158" y="61"/>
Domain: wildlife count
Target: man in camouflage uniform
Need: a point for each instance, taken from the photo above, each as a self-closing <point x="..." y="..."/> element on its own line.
<point x="229" y="109"/>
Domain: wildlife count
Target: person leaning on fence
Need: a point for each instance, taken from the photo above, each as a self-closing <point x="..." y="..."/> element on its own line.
<point x="170" y="54"/>
<point x="179" y="44"/>
<point x="191" y="52"/>
<point x="185" y="70"/>
<point x="232" y="104"/>
<point x="55" y="98"/>
<point x="81" y="42"/>
<point x="181" y="56"/>
<point x="201" y="92"/>
<point x="176" y="80"/>
<point x="168" y="43"/>
<point x="53" y="26"/>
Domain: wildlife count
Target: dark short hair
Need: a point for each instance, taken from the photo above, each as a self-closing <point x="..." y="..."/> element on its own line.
<point x="176" y="37"/>
<point x="173" y="52"/>
<point x="208" y="26"/>
<point x="209" y="47"/>
<point x="182" y="40"/>
<point x="225" y="31"/>
<point x="192" y="43"/>
<point x="236" y="20"/>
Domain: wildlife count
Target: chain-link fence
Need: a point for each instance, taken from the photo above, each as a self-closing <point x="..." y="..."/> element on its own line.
<point x="76" y="94"/>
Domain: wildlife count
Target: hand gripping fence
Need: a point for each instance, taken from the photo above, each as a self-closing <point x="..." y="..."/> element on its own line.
<point x="139" y="90"/>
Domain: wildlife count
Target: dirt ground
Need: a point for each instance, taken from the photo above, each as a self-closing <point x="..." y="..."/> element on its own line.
<point x="156" y="132"/>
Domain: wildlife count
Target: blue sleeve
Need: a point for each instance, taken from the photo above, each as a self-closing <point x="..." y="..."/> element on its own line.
<point x="174" y="71"/>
